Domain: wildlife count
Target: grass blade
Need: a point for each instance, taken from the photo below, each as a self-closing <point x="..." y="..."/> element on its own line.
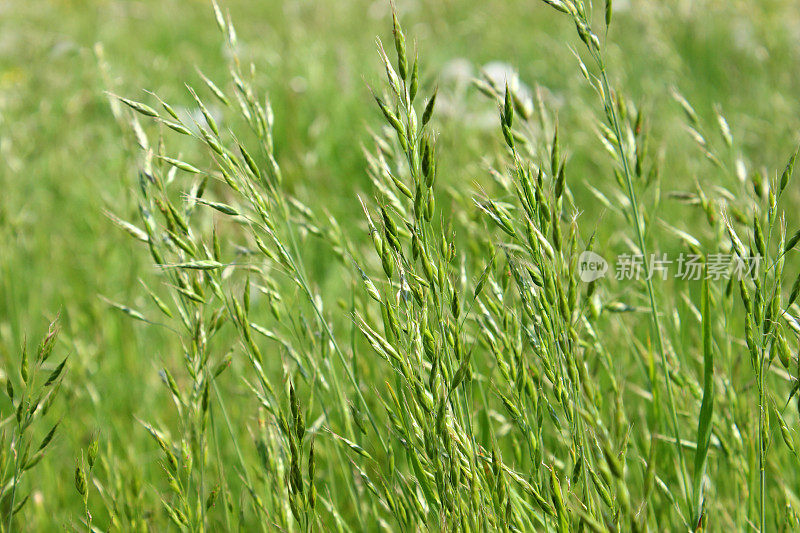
<point x="704" y="423"/>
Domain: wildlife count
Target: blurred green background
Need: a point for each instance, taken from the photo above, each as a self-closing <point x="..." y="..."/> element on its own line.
<point x="64" y="159"/>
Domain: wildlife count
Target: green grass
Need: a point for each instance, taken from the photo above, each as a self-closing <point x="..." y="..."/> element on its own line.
<point x="500" y="392"/>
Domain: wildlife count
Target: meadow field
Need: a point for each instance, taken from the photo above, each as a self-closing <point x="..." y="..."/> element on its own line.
<point x="422" y="266"/>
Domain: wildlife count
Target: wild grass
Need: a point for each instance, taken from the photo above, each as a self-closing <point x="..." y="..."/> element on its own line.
<point x="430" y="358"/>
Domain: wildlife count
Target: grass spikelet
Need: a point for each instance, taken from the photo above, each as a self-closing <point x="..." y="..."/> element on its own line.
<point x="529" y="327"/>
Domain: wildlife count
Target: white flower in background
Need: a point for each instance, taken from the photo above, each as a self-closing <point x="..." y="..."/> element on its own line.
<point x="455" y="79"/>
<point x="459" y="71"/>
<point x="622" y="5"/>
<point x="457" y="76"/>
<point x="499" y="73"/>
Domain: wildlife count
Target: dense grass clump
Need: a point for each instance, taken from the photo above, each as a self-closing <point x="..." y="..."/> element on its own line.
<point x="438" y="355"/>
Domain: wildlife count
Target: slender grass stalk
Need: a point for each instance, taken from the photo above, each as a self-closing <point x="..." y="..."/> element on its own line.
<point x="641" y="242"/>
<point x="494" y="402"/>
